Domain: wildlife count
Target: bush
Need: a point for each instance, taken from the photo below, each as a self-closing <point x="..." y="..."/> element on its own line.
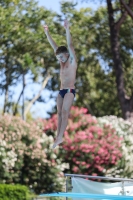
<point x="26" y="156"/>
<point x="14" y="192"/>
<point x="88" y="148"/>
<point x="123" y="128"/>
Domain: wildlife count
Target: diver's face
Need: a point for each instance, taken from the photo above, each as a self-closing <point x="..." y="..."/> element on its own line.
<point x="62" y="57"/>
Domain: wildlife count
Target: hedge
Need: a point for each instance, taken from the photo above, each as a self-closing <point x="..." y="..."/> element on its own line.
<point x="14" y="192"/>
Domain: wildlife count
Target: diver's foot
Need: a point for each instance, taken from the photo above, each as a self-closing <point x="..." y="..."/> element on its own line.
<point x="57" y="142"/>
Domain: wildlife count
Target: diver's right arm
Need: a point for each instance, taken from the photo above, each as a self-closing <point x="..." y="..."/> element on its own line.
<point x="51" y="41"/>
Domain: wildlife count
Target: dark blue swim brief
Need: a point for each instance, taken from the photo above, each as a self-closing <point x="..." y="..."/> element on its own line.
<point x="64" y="91"/>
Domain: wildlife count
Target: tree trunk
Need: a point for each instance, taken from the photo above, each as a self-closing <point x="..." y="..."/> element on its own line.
<point x="22" y="92"/>
<point x="6" y="86"/>
<point x="126" y="103"/>
<point x="6" y="99"/>
<point x="23" y="116"/>
<point x="127" y="7"/>
<point x="48" y="76"/>
<point x="16" y="106"/>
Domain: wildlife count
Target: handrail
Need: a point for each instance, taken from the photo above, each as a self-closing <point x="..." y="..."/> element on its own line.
<point x="98" y="177"/>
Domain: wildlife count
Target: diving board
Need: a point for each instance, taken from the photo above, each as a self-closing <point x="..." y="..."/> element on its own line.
<point x="83" y="188"/>
<point x="82" y="195"/>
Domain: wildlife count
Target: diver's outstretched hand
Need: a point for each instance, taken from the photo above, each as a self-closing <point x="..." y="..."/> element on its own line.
<point x="45" y="28"/>
<point x="66" y="24"/>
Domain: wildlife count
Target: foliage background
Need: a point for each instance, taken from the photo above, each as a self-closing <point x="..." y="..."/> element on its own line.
<point x="100" y="145"/>
<point x="27" y="156"/>
<point x="25" y="52"/>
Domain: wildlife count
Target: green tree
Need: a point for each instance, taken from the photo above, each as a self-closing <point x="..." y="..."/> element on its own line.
<point x="23" y="50"/>
<point x="118" y="12"/>
<point x="93" y="84"/>
<point x="97" y="76"/>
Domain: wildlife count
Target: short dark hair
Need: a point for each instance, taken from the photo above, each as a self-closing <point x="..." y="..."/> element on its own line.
<point x="61" y="49"/>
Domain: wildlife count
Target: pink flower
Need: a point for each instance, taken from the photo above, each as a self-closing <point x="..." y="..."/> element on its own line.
<point x="75" y="169"/>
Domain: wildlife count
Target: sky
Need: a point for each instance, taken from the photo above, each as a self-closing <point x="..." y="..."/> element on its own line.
<point x="55" y="4"/>
<point x="41" y="109"/>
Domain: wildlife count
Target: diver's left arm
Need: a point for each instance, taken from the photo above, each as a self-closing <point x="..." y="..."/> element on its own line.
<point x="69" y="41"/>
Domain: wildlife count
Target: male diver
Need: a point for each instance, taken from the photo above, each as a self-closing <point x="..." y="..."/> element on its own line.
<point x="68" y="66"/>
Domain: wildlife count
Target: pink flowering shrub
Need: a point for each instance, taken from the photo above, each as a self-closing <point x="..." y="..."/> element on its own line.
<point x="50" y="125"/>
<point x="123" y="128"/>
<point x="26" y="156"/>
<point x="87" y="147"/>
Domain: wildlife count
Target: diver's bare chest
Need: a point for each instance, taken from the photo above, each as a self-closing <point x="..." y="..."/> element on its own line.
<point x="65" y="70"/>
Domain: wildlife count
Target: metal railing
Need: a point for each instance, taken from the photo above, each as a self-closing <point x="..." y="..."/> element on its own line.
<point x="97" y="177"/>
